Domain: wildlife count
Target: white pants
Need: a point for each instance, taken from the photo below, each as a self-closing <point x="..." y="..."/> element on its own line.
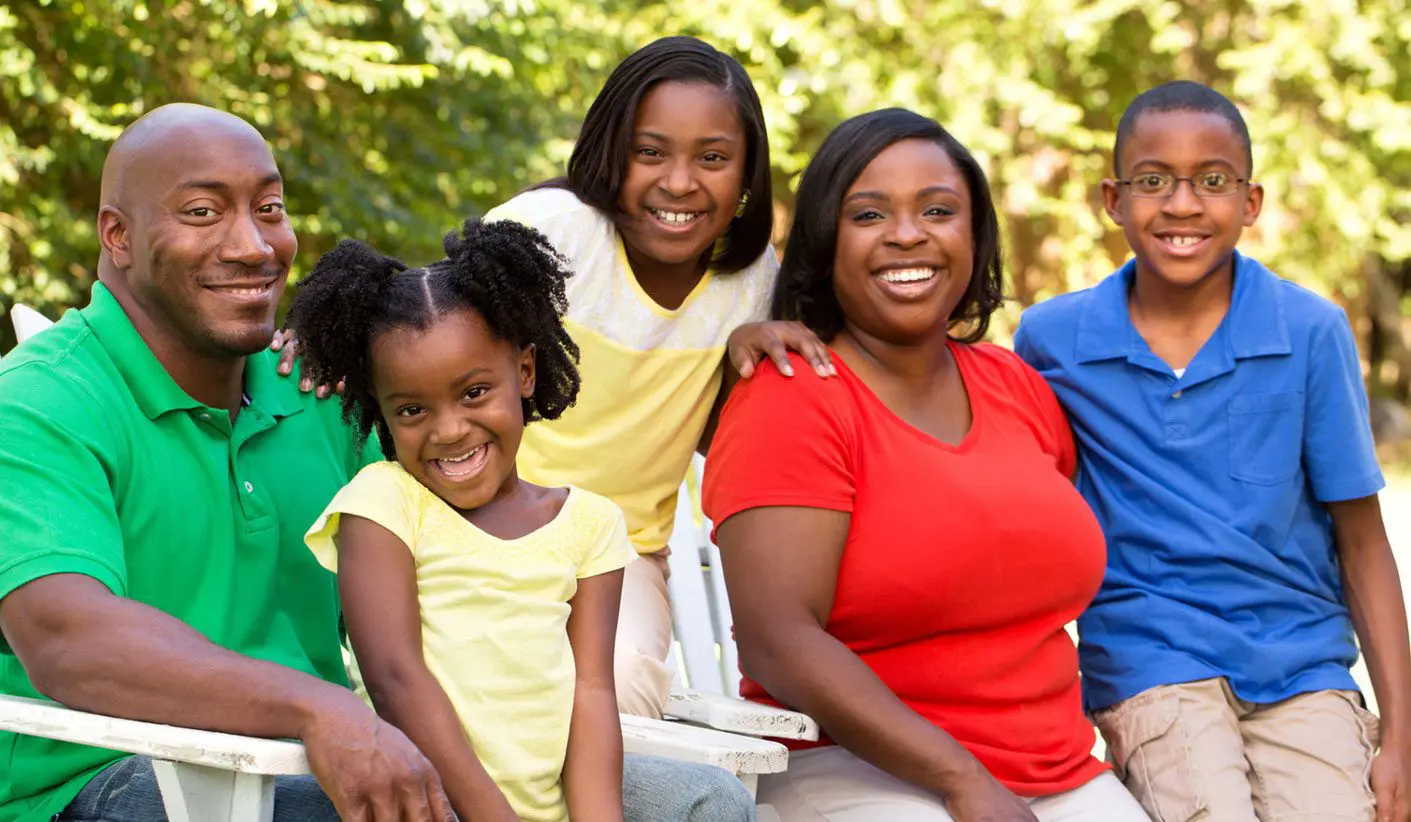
<point x="832" y="785"/>
<point x="644" y="637"/>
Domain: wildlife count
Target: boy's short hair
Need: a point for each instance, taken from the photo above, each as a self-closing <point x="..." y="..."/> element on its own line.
<point x="1181" y="95"/>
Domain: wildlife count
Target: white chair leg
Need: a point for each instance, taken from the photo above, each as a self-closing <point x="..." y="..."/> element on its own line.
<point x="196" y="793"/>
<point x="751" y="781"/>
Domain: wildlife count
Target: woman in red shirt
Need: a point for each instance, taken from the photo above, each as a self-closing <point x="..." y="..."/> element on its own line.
<point x="902" y="544"/>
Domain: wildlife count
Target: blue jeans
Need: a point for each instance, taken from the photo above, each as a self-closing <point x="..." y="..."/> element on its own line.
<point x="653" y="790"/>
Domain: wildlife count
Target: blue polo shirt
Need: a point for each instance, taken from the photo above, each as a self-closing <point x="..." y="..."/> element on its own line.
<point x="1210" y="487"/>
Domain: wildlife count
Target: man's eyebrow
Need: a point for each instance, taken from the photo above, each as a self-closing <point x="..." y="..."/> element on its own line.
<point x="218" y="185"/>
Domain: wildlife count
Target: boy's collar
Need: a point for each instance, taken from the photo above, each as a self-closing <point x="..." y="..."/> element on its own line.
<point x="1255" y="326"/>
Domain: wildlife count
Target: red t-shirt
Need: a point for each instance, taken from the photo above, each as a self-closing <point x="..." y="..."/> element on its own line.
<point x="962" y="563"/>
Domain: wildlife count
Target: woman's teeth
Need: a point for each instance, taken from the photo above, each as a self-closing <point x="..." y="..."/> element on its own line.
<point x="676" y="217"/>
<point x="907" y="275"/>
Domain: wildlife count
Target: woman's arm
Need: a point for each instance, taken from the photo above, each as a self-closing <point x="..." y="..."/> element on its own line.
<point x="592" y="770"/>
<point x="1374" y="597"/>
<point x="377" y="582"/>
<point x="781" y="569"/>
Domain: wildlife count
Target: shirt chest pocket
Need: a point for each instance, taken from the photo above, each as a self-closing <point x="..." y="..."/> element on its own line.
<point x="1266" y="437"/>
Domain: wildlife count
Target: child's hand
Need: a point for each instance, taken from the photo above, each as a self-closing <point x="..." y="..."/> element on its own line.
<point x="752" y="342"/>
<point x="1390" y="785"/>
<point x="288" y="347"/>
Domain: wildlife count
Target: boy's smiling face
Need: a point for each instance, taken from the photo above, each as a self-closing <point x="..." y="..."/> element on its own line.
<point x="1182" y="239"/>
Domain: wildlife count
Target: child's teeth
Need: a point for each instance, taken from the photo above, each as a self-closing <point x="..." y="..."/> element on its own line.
<point x="464" y="457"/>
<point x="676" y="217"/>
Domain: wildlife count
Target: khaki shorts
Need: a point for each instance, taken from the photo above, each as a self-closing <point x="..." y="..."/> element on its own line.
<point x="1195" y="751"/>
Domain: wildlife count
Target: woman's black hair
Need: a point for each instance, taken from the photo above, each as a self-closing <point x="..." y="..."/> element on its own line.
<point x="804" y="290"/>
<point x="507" y="273"/>
<point x="598" y="165"/>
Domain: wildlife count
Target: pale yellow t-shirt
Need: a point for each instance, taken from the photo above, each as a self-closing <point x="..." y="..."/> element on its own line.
<point x="650" y="375"/>
<point x="494" y="617"/>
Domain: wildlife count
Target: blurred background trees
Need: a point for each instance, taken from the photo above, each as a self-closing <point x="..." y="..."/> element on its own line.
<point x="394" y="119"/>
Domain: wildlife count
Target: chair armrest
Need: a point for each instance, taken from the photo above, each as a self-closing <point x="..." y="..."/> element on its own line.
<point x="740" y="755"/>
<point x="738" y="716"/>
<point x="243" y="754"/>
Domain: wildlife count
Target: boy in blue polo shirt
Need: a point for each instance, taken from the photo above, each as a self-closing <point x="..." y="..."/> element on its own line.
<point x="1227" y="453"/>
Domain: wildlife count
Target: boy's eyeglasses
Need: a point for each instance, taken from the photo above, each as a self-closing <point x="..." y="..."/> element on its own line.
<point x="1158" y="184"/>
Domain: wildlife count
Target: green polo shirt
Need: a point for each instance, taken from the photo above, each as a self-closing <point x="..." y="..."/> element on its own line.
<point x="109" y="469"/>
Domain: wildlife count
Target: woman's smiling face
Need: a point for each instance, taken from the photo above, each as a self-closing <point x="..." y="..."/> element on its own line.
<point x="905" y="249"/>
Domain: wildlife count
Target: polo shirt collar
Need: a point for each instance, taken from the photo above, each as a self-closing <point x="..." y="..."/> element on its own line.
<point x="1258" y="325"/>
<point x="155" y="392"/>
<point x="275" y="395"/>
<point x="153" y="389"/>
<point x="1255" y="325"/>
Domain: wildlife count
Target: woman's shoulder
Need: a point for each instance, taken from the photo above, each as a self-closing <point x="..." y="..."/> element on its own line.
<point x="1000" y="365"/>
<point x="804" y="401"/>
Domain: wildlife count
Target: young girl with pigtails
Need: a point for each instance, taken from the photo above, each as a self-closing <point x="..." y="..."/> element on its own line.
<point x="480" y="607"/>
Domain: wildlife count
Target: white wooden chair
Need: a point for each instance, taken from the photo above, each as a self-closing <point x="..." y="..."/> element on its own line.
<point x="27" y="321"/>
<point x="214" y="777"/>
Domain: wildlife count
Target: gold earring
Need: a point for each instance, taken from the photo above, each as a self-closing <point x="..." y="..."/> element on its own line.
<point x="744" y="201"/>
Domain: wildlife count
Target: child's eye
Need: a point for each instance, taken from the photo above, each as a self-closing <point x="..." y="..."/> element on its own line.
<point x="866" y="215"/>
<point x="648" y="152"/>
<point x="713" y="157"/>
<point x="1215" y="182"/>
<point x="409" y="410"/>
<point x="475" y="392"/>
<point x="939" y="211"/>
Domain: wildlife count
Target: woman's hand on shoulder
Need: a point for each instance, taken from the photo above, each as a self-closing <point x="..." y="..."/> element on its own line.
<point x="288" y="347"/>
<point x="752" y="342"/>
<point x="983" y="799"/>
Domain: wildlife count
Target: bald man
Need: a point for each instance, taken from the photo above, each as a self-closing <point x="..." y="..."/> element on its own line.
<point x="156" y="479"/>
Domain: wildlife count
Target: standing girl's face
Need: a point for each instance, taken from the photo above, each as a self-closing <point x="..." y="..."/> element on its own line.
<point x="451" y="396"/>
<point x="685" y="173"/>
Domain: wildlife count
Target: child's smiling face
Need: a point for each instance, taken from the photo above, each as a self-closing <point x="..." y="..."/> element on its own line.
<point x="1182" y="239"/>
<point x="452" y="398"/>
<point x="685" y="173"/>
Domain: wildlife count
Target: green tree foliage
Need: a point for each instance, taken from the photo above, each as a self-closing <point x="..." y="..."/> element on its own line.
<point x="393" y="119"/>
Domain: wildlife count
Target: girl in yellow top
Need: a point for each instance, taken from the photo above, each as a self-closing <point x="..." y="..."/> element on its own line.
<point x="481" y="608"/>
<point x="665" y="218"/>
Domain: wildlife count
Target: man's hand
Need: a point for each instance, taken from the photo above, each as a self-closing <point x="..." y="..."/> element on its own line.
<point x="752" y="342"/>
<point x="1390" y="783"/>
<point x="370" y="770"/>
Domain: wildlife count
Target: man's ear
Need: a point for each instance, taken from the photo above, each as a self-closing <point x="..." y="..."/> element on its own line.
<point x="526" y="371"/>
<point x="113" y="233"/>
